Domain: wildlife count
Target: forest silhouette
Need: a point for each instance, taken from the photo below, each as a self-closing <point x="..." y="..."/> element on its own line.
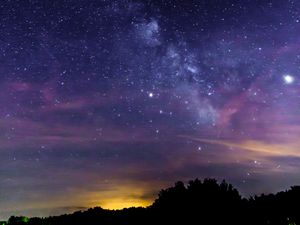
<point x="198" y="202"/>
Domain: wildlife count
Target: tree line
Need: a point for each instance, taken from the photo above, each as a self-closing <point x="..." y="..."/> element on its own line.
<point x="198" y="202"/>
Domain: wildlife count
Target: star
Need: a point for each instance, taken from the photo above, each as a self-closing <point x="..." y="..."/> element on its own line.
<point x="288" y="79"/>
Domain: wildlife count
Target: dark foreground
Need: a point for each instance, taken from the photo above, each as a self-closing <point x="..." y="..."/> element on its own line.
<point x="206" y="202"/>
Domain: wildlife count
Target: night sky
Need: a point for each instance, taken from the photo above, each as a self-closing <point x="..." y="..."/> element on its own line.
<point x="103" y="103"/>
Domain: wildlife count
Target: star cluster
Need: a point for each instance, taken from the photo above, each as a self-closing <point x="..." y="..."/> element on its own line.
<point x="105" y="102"/>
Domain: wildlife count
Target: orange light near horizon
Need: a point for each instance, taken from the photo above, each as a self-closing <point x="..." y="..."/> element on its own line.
<point x="123" y="197"/>
<point x="116" y="204"/>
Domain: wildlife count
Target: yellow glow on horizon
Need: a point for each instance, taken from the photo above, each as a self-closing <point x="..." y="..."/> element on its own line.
<point x="121" y="203"/>
<point x="116" y="196"/>
<point x="119" y="198"/>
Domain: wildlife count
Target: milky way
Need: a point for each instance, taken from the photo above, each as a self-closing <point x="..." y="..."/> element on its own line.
<point x="103" y="103"/>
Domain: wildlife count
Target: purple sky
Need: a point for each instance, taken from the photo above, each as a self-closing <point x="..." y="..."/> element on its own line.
<point x="103" y="103"/>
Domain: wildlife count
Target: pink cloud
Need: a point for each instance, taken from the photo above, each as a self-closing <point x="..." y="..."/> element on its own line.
<point x="19" y="86"/>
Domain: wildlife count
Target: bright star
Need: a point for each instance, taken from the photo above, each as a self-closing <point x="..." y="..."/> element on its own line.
<point x="151" y="95"/>
<point x="288" y="79"/>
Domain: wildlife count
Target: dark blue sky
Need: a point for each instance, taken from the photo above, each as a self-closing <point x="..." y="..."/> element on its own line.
<point x="106" y="102"/>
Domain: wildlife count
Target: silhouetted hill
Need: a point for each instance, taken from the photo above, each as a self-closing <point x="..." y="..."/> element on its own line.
<point x="207" y="202"/>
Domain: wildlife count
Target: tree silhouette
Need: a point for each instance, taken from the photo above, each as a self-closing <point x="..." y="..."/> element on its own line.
<point x="198" y="202"/>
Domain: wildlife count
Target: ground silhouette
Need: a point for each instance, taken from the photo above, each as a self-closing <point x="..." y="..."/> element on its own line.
<point x="198" y="202"/>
